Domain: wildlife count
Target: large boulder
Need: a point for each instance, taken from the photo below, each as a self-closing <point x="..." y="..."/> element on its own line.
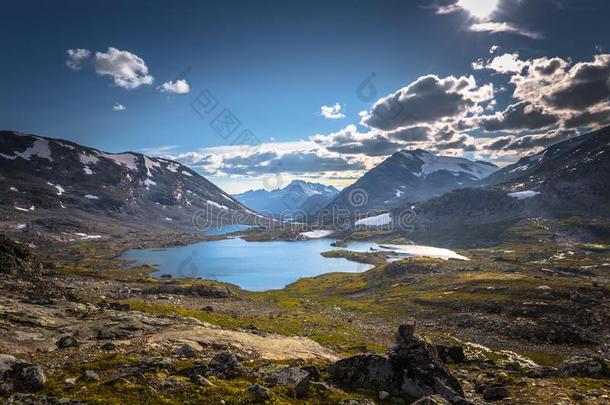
<point x="294" y="378"/>
<point x="410" y="370"/>
<point x="17" y="259"/>
<point x="584" y="366"/>
<point x="19" y="376"/>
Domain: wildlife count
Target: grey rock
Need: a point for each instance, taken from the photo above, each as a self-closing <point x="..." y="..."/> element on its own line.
<point x="186" y="351"/>
<point x="20" y="376"/>
<point x="431" y="400"/>
<point x="30" y="399"/>
<point x="225" y="365"/>
<point x="108" y="347"/>
<point x="66" y="342"/>
<point x="260" y="393"/>
<point x="495" y="393"/>
<point x="294" y="377"/>
<point x="585" y="366"/>
<point x="89" y="376"/>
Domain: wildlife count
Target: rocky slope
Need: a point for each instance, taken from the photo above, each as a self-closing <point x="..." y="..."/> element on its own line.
<point x="409" y="175"/>
<point x="296" y="198"/>
<point x="58" y="186"/>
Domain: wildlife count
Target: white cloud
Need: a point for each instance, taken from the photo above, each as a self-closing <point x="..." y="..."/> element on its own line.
<point x="332" y="112"/>
<point x="76" y="58"/>
<point x="128" y="70"/>
<point x="507" y="63"/>
<point x="118" y="107"/>
<point x="496" y="27"/>
<point x="178" y="87"/>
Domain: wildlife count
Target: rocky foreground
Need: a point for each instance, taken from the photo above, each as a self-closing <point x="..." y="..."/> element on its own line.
<point x="72" y="338"/>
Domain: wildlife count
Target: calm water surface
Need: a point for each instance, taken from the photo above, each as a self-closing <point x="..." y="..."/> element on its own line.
<point x="254" y="266"/>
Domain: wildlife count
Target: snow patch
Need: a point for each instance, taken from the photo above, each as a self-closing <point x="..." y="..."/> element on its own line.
<point x="522" y="195"/>
<point x="420" y="250"/>
<point x="127" y="160"/>
<point x="377" y="220"/>
<point x="317" y="234"/>
<point x="39" y="148"/>
<point x="87" y="159"/>
<point x="14" y="189"/>
<point x="87" y="170"/>
<point x="91" y="197"/>
<point x="215" y="204"/>
<point x="187" y="173"/>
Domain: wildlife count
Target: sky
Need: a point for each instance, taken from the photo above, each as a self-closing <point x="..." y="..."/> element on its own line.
<point x="255" y="94"/>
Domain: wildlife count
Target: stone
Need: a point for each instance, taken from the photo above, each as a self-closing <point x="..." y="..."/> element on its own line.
<point x="186" y="351"/>
<point x="295" y="378"/>
<point x="156" y="363"/>
<point x="225" y="365"/>
<point x="358" y="402"/>
<point x="108" y="347"/>
<point x="20" y="376"/>
<point x="495" y="393"/>
<point x="411" y="369"/>
<point x="66" y="342"/>
<point x="450" y="354"/>
<point x="584" y="366"/>
<point x="201" y="380"/>
<point x="431" y="400"/>
<point x="260" y="393"/>
<point x="313" y="371"/>
<point x="89" y="376"/>
<point x="18" y="260"/>
<point x="383" y="395"/>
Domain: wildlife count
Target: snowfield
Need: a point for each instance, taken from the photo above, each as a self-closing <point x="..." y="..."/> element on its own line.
<point x="317" y="234"/>
<point x="378" y="220"/>
<point x="522" y="195"/>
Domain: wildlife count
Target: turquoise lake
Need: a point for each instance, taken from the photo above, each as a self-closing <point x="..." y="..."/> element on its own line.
<point x="254" y="266"/>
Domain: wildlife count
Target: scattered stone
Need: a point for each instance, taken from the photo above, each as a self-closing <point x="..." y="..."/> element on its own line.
<point x="208" y="308"/>
<point x="108" y="347"/>
<point x="201" y="380"/>
<point x="431" y="400"/>
<point x="30" y="399"/>
<point x="584" y="366"/>
<point x="156" y="363"/>
<point x="495" y="393"/>
<point x="186" y="351"/>
<point x="89" y="376"/>
<point x="198" y="290"/>
<point x="116" y="306"/>
<point x="260" y="393"/>
<point x="295" y="378"/>
<point x="66" y="342"/>
<point x="71" y="380"/>
<point x="383" y="395"/>
<point x="225" y="365"/>
<point x="20" y="376"/>
<point x="450" y="354"/>
<point x="112" y="334"/>
<point x="358" y="402"/>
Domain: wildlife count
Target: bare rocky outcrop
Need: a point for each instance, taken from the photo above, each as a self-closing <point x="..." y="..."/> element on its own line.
<point x="18" y="259"/>
<point x="19" y="376"/>
<point x="410" y="370"/>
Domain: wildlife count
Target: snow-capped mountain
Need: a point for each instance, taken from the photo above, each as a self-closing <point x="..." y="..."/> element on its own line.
<point x="410" y="175"/>
<point x="43" y="178"/>
<point x="567" y="180"/>
<point x="298" y="196"/>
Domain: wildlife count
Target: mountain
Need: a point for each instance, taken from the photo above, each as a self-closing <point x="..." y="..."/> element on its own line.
<point x="296" y="196"/>
<point x="62" y="187"/>
<point x="410" y="175"/>
<point x="566" y="180"/>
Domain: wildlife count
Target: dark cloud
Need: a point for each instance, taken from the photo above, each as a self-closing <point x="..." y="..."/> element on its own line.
<point x="512" y="143"/>
<point x="588" y="118"/>
<point x="427" y="100"/>
<point x="297" y="162"/>
<point x="250" y="160"/>
<point x="412" y="134"/>
<point x="523" y="115"/>
<point x="377" y="145"/>
<point x="585" y="86"/>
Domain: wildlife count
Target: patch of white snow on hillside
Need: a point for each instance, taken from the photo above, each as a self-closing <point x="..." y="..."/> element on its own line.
<point x="522" y="195"/>
<point x="39" y="148"/>
<point x="420" y="250"/>
<point x="317" y="234"/>
<point x="398" y="193"/>
<point x="60" y="189"/>
<point x="124" y="159"/>
<point x="91" y="197"/>
<point x="21" y="209"/>
<point x="85" y="236"/>
<point x="14" y="189"/>
<point x="8" y="156"/>
<point x="148" y="183"/>
<point x="434" y="163"/>
<point x="187" y="173"/>
<point x="377" y="220"/>
<point x="87" y="170"/>
<point x="22" y="226"/>
<point x="150" y="165"/>
<point x="65" y="145"/>
<point x="87" y="159"/>
<point x="172" y="167"/>
<point x="215" y="204"/>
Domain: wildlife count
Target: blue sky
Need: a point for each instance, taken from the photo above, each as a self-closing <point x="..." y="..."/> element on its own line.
<point x="273" y="65"/>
